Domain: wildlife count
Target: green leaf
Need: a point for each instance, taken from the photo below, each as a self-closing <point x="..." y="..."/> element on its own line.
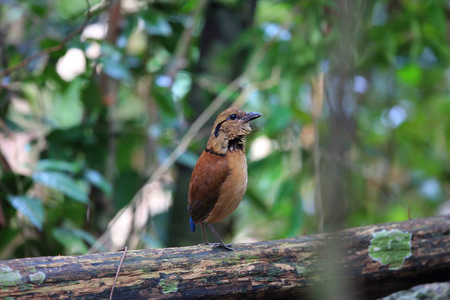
<point x="69" y="9"/>
<point x="66" y="109"/>
<point x="410" y="74"/>
<point x="62" y="183"/>
<point x="116" y="69"/>
<point x="30" y="207"/>
<point x="97" y="180"/>
<point x="278" y="120"/>
<point x="74" y="244"/>
<point x="156" y="24"/>
<point x="296" y="217"/>
<point x="158" y="60"/>
<point x="57" y="165"/>
<point x="84" y="235"/>
<point x="164" y="101"/>
<point x="17" y="184"/>
<point x="286" y="191"/>
<point x="151" y="241"/>
<point x="182" y="84"/>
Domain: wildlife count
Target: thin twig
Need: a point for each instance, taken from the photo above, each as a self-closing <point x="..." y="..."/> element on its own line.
<point x="27" y="60"/>
<point x="118" y="270"/>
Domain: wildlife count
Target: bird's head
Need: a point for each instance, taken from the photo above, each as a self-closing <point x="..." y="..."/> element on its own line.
<point x="229" y="130"/>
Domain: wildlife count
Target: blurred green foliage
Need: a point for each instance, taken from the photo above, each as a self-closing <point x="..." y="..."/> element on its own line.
<point x="71" y="160"/>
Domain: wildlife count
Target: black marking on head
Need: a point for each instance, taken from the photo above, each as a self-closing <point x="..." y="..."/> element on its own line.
<point x="231" y="117"/>
<point x="216" y="131"/>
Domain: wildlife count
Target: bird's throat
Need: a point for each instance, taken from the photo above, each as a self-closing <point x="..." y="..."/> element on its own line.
<point x="217" y="147"/>
<point x="236" y="144"/>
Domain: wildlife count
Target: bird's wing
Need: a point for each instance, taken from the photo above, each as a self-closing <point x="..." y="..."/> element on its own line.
<point x="208" y="175"/>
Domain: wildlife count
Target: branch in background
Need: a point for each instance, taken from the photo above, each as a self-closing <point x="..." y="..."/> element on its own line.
<point x="3" y="53"/>
<point x="49" y="50"/>
<point x="316" y="110"/>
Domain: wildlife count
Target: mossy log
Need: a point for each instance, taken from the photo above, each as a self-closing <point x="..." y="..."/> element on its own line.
<point x="373" y="261"/>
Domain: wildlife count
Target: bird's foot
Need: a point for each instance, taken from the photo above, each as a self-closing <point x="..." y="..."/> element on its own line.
<point x="219" y="245"/>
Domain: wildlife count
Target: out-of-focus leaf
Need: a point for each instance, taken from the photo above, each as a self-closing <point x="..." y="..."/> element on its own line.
<point x="126" y="187"/>
<point x="158" y="60"/>
<point x="411" y="74"/>
<point x="17" y="184"/>
<point x="115" y="69"/>
<point x="57" y="165"/>
<point x="62" y="183"/>
<point x="285" y="192"/>
<point x="182" y="84"/>
<point x="296" y="218"/>
<point x="257" y="200"/>
<point x="151" y="242"/>
<point x="8" y="235"/>
<point x="164" y="101"/>
<point x="69" y="9"/>
<point x="90" y="96"/>
<point x="130" y="106"/>
<point x="30" y="207"/>
<point x="67" y="109"/>
<point x="73" y="243"/>
<point x="97" y="180"/>
<point x="84" y="235"/>
<point x="156" y="24"/>
<point x="278" y="120"/>
<point x="39" y="9"/>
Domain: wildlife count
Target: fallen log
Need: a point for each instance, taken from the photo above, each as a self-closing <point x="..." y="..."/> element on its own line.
<point x="374" y="261"/>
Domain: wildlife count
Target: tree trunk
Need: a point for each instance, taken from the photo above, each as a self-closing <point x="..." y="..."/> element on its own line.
<point x="378" y="260"/>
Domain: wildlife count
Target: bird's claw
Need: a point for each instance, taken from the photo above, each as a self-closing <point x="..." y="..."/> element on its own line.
<point x="218" y="245"/>
<point x="225" y="246"/>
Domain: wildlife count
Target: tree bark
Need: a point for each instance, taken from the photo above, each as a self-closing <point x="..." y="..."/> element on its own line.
<point x="378" y="260"/>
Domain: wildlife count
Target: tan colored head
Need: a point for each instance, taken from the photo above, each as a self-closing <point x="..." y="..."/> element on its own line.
<point x="229" y="130"/>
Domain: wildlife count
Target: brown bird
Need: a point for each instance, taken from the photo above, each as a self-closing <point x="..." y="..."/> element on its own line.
<point x="219" y="178"/>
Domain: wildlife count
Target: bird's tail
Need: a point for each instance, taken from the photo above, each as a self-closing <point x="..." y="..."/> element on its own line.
<point x="192" y="225"/>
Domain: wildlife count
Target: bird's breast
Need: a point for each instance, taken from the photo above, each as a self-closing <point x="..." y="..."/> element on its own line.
<point x="233" y="189"/>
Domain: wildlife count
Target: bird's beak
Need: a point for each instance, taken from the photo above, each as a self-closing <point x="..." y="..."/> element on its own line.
<point x="251" y="116"/>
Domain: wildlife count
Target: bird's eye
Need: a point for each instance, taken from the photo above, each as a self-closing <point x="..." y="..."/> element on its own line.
<point x="232" y="117"/>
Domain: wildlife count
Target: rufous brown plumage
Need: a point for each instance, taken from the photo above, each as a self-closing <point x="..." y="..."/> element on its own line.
<point x="219" y="179"/>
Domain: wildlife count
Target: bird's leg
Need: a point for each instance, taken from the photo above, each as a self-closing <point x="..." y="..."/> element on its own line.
<point x="205" y="241"/>
<point x="221" y="243"/>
